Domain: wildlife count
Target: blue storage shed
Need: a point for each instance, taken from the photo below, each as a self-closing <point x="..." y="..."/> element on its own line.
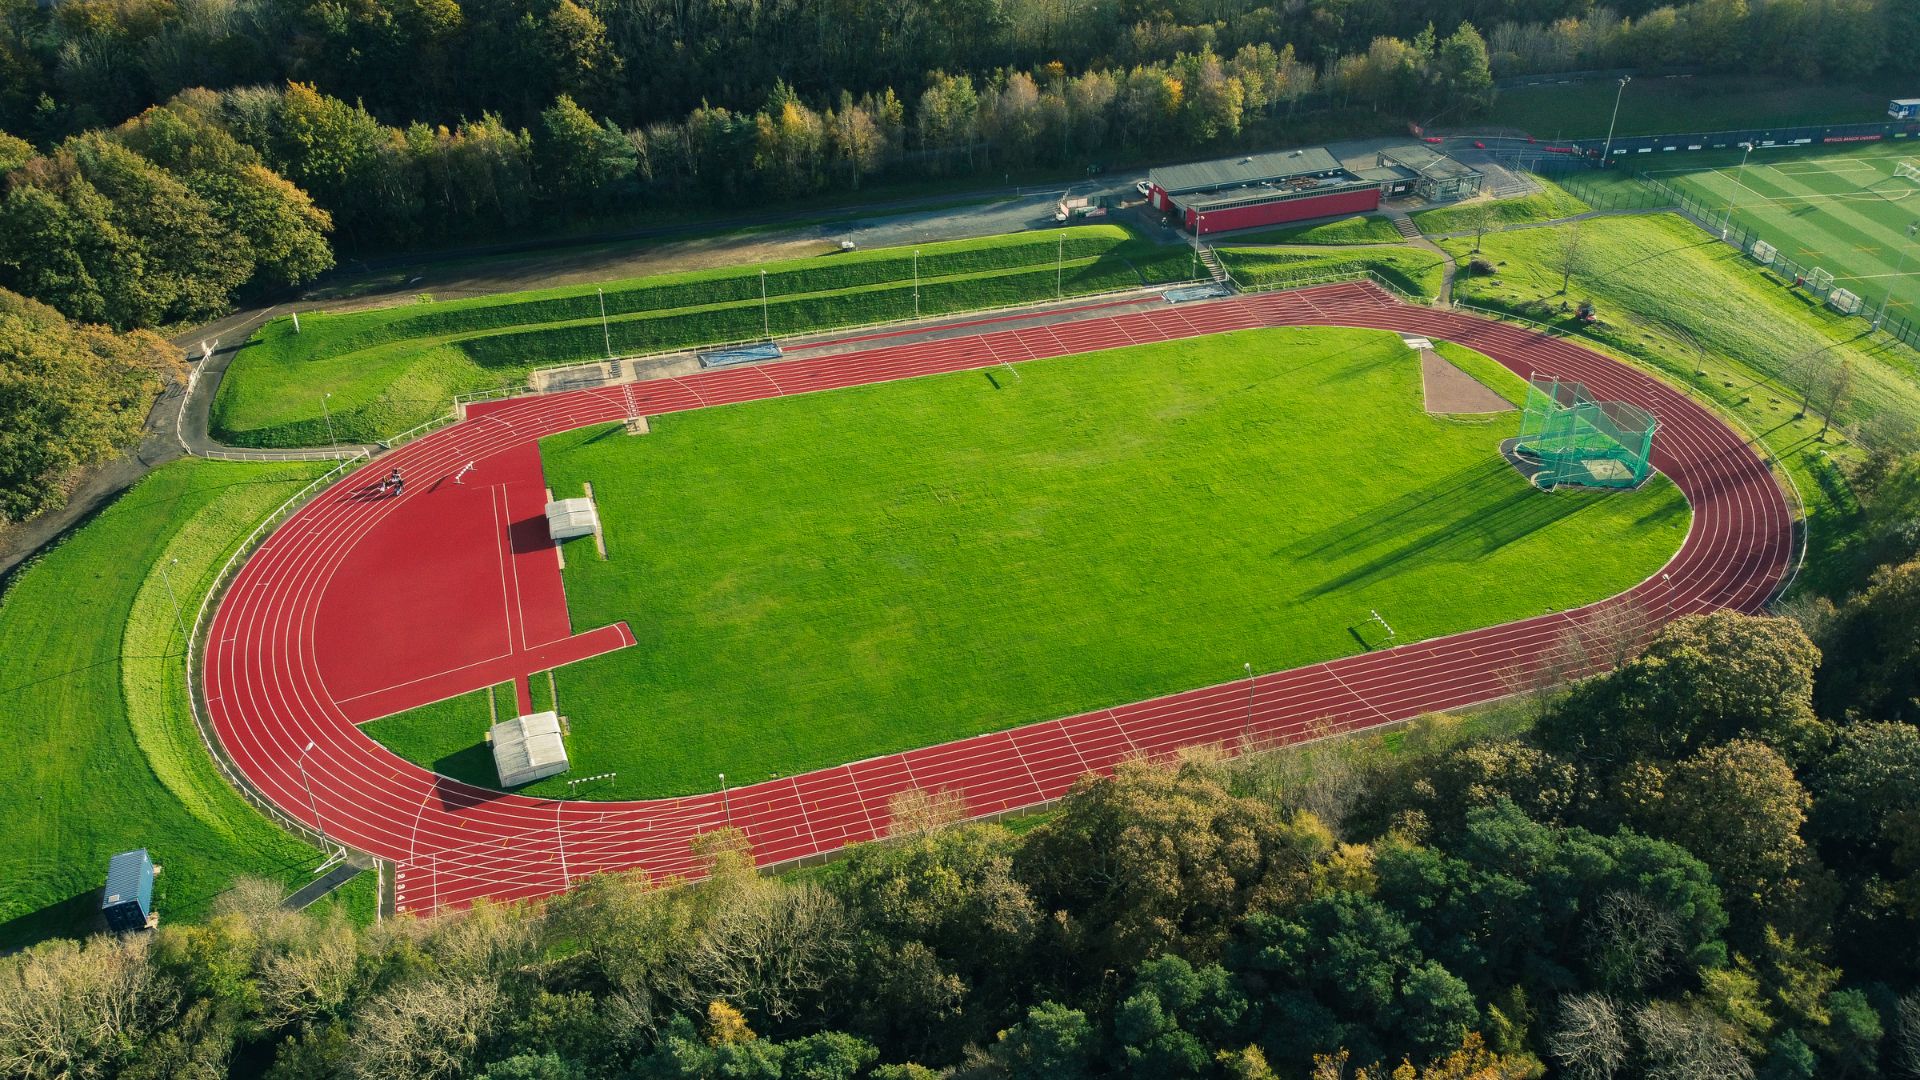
<point x="128" y="900"/>
<point x="1904" y="108"/>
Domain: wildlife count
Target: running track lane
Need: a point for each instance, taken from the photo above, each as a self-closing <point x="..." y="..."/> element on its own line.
<point x="453" y="844"/>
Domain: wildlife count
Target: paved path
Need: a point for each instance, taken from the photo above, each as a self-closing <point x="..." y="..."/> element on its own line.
<point x="270" y="668"/>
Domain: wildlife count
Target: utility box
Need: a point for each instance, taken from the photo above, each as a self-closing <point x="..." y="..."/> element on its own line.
<point x="1904" y="108"/>
<point x="568" y="518"/>
<point x="127" y="904"/>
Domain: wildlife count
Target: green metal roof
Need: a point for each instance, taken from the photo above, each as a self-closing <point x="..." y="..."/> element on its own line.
<point x="1238" y="171"/>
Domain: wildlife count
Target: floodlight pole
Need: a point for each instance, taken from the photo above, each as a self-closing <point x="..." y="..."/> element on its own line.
<point x="1726" y="220"/>
<point x="1246" y="728"/>
<point x="560" y="837"/>
<point x="1606" y="155"/>
<point x="1667" y="580"/>
<point x="726" y="801"/>
<point x="1897" y="271"/>
<point x="328" y="413"/>
<point x="606" y="335"/>
<point x="178" y="620"/>
<point x="765" y="325"/>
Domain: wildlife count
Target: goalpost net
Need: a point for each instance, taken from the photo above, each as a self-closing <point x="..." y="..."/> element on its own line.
<point x="1578" y="440"/>
<point x="1907" y="170"/>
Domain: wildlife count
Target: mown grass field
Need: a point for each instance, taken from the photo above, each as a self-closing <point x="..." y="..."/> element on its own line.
<point x="390" y="368"/>
<point x="1660" y="106"/>
<point x="818" y="579"/>
<point x="1407" y="268"/>
<point x="104" y="753"/>
<point x="1697" y="312"/>
<point x="1358" y="229"/>
<point x="1841" y="210"/>
<point x="1548" y="204"/>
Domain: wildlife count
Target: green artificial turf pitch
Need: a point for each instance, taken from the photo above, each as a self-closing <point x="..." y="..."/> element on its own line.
<point x="817" y="579"/>
<point x="1841" y="210"/>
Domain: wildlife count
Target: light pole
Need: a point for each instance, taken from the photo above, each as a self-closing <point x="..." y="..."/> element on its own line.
<point x="1606" y="155"/>
<point x="726" y="801"/>
<point x="1898" y="270"/>
<point x="765" y="325"/>
<point x="312" y="807"/>
<point x="1740" y="181"/>
<point x="1667" y="580"/>
<point x="328" y="413"/>
<point x="178" y="619"/>
<point x="1246" y="729"/>
<point x="916" y="283"/>
<point x="605" y="334"/>
<point x="1059" y="262"/>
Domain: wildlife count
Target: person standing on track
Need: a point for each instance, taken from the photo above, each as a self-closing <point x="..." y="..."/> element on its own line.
<point x="395" y="482"/>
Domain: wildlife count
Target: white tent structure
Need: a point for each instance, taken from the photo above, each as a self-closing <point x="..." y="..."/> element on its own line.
<point x="527" y="748"/>
<point x="567" y="518"/>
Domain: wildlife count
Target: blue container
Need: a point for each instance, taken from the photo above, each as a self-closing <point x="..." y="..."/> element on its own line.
<point x="1904" y="108"/>
<point x="129" y="895"/>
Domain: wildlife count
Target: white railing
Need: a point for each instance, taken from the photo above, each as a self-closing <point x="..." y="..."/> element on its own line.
<point x="335" y="453"/>
<point x="195" y="688"/>
<point x="1037" y="306"/>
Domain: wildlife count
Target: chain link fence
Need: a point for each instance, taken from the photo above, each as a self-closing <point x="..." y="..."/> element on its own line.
<point x="1608" y="190"/>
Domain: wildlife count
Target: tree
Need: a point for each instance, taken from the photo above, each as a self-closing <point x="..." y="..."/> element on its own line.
<point x="1052" y="1043"/>
<point x="1464" y="72"/>
<point x="1702" y="679"/>
<point x="1154" y="858"/>
<point x="1569" y="252"/>
<point x="71" y="396"/>
<point x="1677" y="1043"/>
<point x="1740" y="808"/>
<point x="1344" y="972"/>
<point x="1873" y="650"/>
<point x="1590" y="1041"/>
<point x="579" y="159"/>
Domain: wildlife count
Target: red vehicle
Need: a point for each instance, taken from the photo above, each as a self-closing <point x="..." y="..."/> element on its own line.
<point x="1529" y="138"/>
<point x="1434" y="139"/>
<point x="1478" y="145"/>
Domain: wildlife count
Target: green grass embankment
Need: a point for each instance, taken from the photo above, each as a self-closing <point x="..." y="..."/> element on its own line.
<point x="104" y="753"/>
<point x="390" y="368"/>
<point x="1410" y="269"/>
<point x="1550" y="203"/>
<point x="1358" y="229"/>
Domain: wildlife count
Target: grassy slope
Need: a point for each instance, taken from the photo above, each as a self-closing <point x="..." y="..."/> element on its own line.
<point x="1416" y="271"/>
<point x="393" y="367"/>
<point x="1551" y="202"/>
<point x="817" y="579"/>
<point x="1655" y="275"/>
<point x="1655" y="106"/>
<point x="104" y="756"/>
<point x="1358" y="229"/>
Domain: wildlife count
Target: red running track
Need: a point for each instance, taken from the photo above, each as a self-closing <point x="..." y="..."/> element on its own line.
<point x="283" y="634"/>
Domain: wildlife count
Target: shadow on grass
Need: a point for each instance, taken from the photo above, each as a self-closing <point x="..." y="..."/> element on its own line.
<point x="472" y="765"/>
<point x="76" y="915"/>
<point x="1454" y="532"/>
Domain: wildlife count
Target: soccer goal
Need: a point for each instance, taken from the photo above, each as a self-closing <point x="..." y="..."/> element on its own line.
<point x="1907" y="170"/>
<point x="1819" y="280"/>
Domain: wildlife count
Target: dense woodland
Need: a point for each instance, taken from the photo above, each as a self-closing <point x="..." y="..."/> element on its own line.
<point x="1703" y="866"/>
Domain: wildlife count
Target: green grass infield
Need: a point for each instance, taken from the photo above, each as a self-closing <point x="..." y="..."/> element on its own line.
<point x="817" y="579"/>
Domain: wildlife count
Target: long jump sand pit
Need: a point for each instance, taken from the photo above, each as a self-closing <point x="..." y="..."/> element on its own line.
<point x="1452" y="392"/>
